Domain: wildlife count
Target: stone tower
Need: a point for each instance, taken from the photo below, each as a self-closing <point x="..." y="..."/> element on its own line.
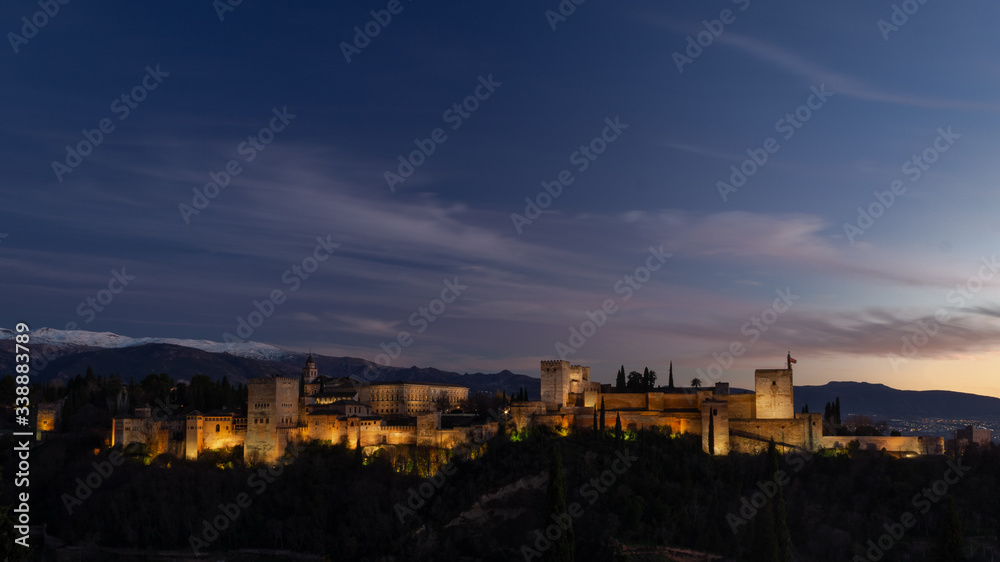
<point x="715" y="425"/>
<point x="555" y="383"/>
<point x="774" y="394"/>
<point x="272" y="412"/>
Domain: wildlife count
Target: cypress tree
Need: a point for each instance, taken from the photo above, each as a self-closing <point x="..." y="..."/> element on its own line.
<point x="618" y="426"/>
<point x="949" y="546"/>
<point x="620" y="381"/>
<point x="562" y="546"/>
<point x="602" y="413"/>
<point x="671" y="374"/>
<point x="836" y="412"/>
<point x="711" y="433"/>
<point x="781" y="532"/>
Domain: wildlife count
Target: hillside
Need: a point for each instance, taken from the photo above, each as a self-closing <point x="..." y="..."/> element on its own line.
<point x="878" y="400"/>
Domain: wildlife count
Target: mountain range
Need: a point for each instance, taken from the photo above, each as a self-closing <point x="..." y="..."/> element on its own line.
<point x="62" y="354"/>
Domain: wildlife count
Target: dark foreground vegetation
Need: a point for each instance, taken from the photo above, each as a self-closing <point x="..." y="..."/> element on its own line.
<point x="634" y="489"/>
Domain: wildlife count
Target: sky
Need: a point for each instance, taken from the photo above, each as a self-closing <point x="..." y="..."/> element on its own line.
<point x="481" y="186"/>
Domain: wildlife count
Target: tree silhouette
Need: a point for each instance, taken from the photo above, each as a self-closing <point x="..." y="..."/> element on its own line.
<point x="562" y="546"/>
<point x="696" y="382"/>
<point x="671" y="383"/>
<point x="634" y="381"/>
<point x="620" y="381"/>
<point x="649" y="379"/>
<point x="949" y="545"/>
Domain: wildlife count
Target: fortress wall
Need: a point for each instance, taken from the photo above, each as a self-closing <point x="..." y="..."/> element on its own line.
<point x="521" y="413"/>
<point x="400" y="435"/>
<point x="680" y="401"/>
<point x="224" y="438"/>
<point x="322" y="428"/>
<point x="924" y="445"/>
<point x="654" y="400"/>
<point x="678" y="423"/>
<point x="742" y="406"/>
<point x="624" y="401"/>
<point x="739" y="444"/>
<point x="790" y="431"/>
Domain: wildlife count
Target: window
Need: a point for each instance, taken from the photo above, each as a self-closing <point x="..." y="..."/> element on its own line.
<point x="217" y="428"/>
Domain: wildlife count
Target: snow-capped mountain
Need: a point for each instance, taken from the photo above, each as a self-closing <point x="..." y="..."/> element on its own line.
<point x="63" y="354"/>
<point x="107" y="340"/>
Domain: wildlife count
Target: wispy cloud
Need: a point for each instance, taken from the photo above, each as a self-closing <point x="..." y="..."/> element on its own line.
<point x="838" y="82"/>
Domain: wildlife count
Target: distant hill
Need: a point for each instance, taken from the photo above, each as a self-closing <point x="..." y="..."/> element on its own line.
<point x="71" y="352"/>
<point x="878" y="400"/>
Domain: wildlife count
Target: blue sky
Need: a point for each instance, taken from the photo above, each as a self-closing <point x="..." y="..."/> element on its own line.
<point x="552" y="91"/>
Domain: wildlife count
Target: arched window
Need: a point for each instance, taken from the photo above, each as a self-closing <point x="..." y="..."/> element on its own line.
<point x="217" y="428"/>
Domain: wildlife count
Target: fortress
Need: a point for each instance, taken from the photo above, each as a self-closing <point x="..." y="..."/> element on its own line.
<point x="282" y="410"/>
<point x="727" y="422"/>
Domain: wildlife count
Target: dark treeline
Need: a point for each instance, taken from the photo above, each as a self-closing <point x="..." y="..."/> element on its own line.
<point x="91" y="400"/>
<point x="637" y="488"/>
